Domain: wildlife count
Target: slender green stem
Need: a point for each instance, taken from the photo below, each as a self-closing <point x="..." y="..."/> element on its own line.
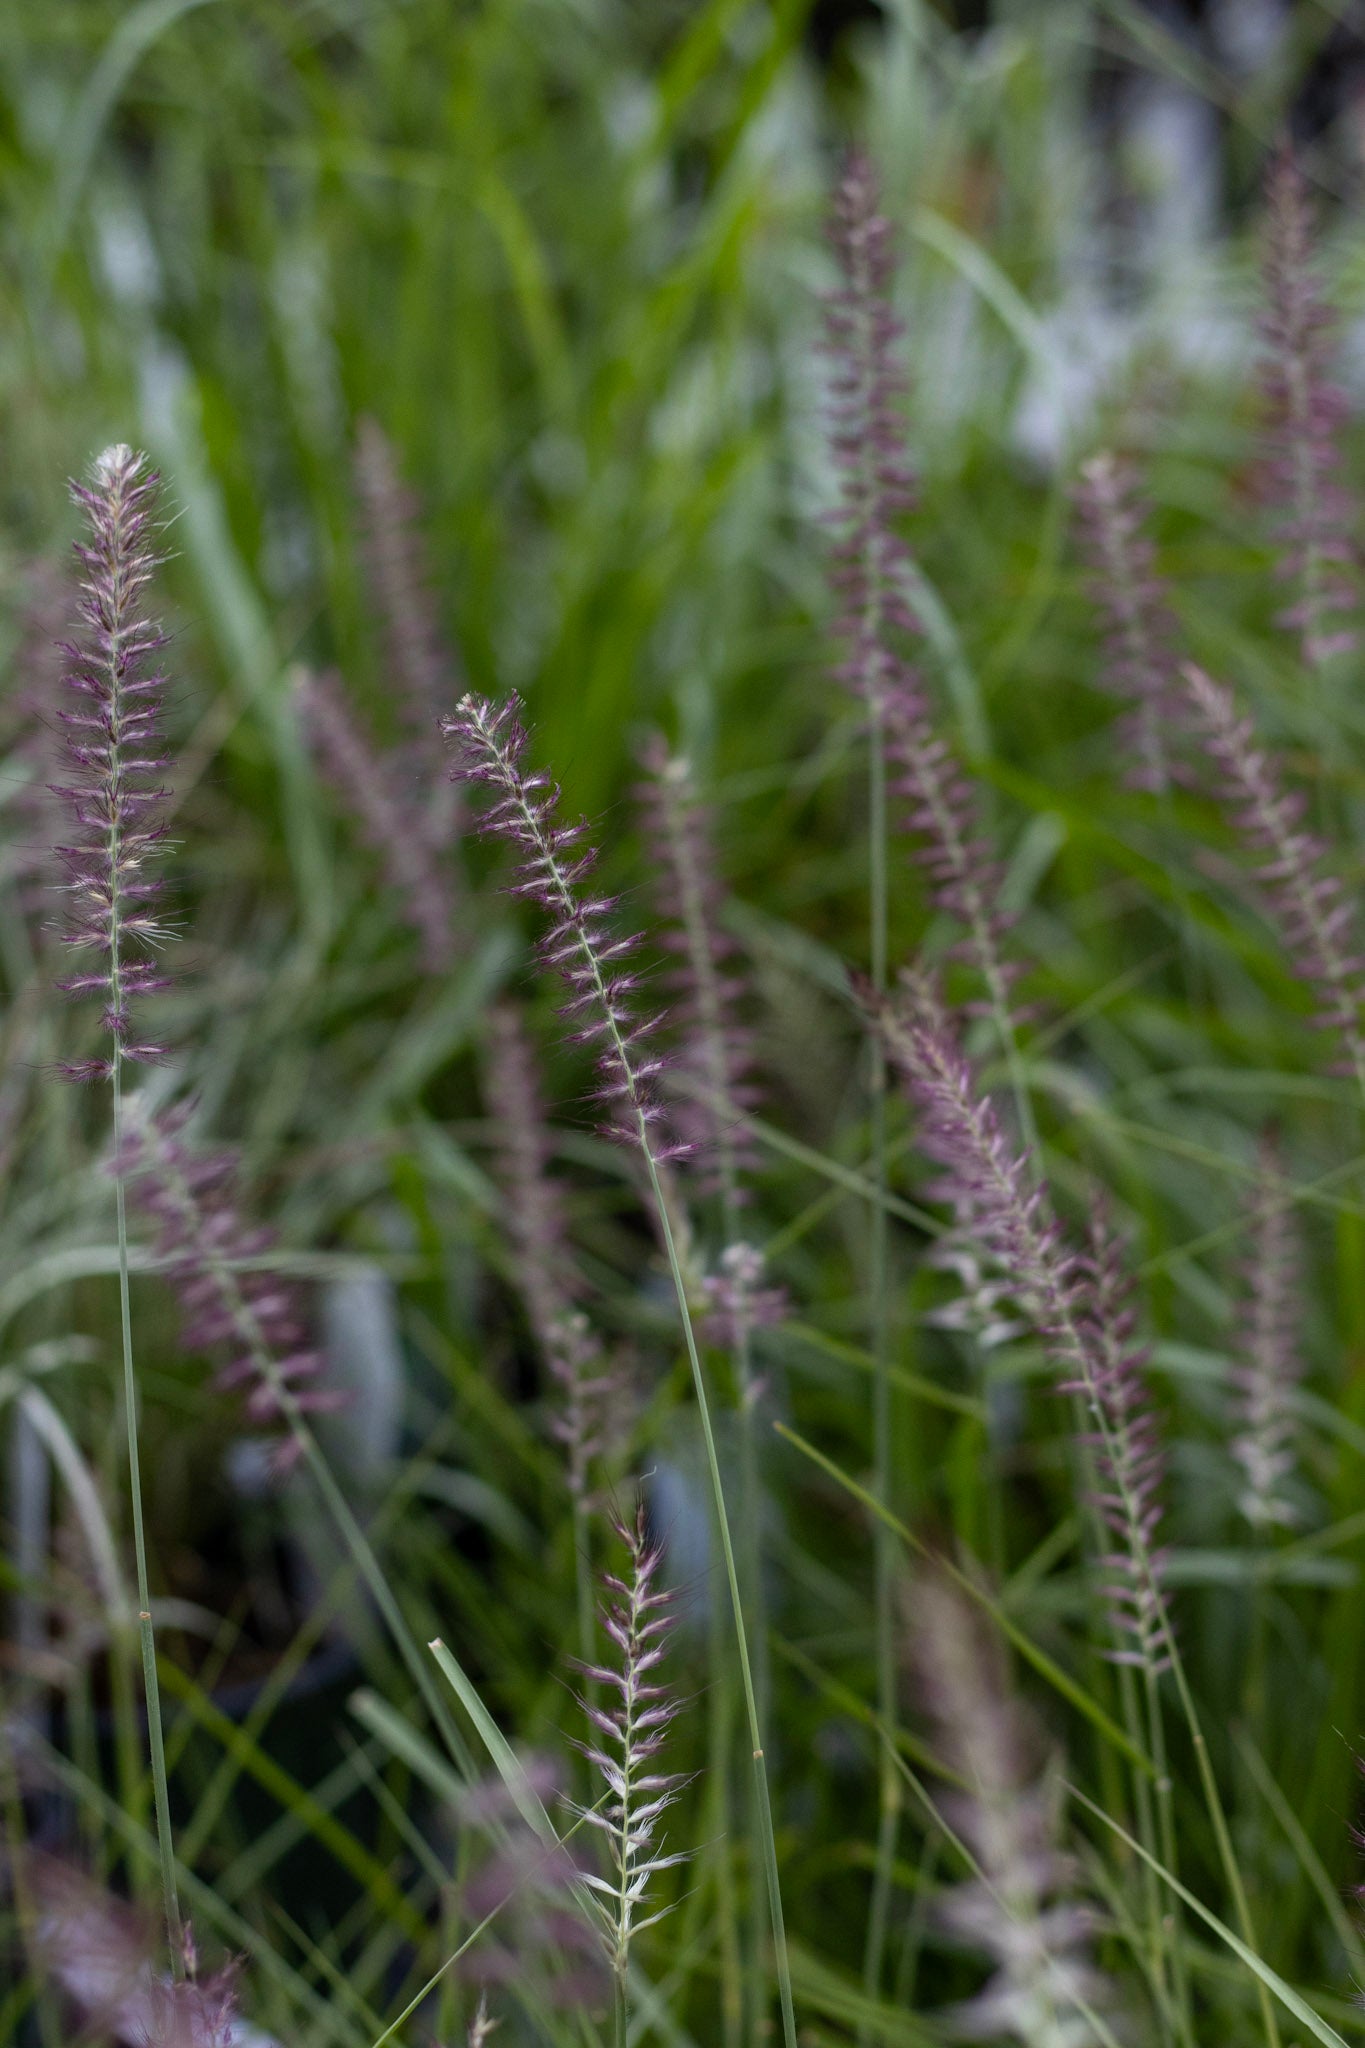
<point x="884" y="1554"/>
<point x="760" y="1775"/>
<point x="155" y="1735"/>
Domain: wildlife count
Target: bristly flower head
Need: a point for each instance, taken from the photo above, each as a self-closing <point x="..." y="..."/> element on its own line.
<point x="367" y="781"/>
<point x="114" y="748"/>
<point x="629" y="1736"/>
<point x="1270" y="1356"/>
<point x="208" y="1251"/>
<point x="1129" y="1452"/>
<point x="1007" y="1244"/>
<point x="942" y="811"/>
<point x="100" y="1952"/>
<point x="1021" y="1909"/>
<point x="868" y="434"/>
<point x="420" y="662"/>
<point x="1115" y="521"/>
<point x="1308" y="907"/>
<point x="715" y="1050"/>
<point x="1315" y="515"/>
<point x="582" y="944"/>
<point x="737" y="1301"/>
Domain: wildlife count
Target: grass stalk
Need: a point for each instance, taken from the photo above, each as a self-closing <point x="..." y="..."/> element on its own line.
<point x="156" y="1743"/>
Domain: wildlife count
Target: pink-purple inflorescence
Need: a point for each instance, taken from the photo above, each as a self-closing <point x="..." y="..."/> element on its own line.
<point x="1269" y="1355"/>
<point x="1020" y="1908"/>
<point x="1315" y="517"/>
<point x="590" y="1390"/>
<point x="1011" y="1251"/>
<point x="1307" y="905"/>
<point x="941" y="810"/>
<point x="582" y="944"/>
<point x="1128" y="1449"/>
<point x="1141" y="633"/>
<point x="629" y="1732"/>
<point x="872" y="574"/>
<point x="211" y="1255"/>
<point x="867" y="437"/>
<point x="715" y="1051"/>
<point x="115" y="756"/>
<point x="367" y="781"/>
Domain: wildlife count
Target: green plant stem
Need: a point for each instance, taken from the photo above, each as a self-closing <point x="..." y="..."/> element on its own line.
<point x="152" y="1690"/>
<point x="884" y="1553"/>
<point x="760" y="1775"/>
<point x="1165" y="1806"/>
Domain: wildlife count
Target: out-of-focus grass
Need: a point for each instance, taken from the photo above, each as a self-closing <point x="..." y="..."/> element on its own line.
<point x="569" y="253"/>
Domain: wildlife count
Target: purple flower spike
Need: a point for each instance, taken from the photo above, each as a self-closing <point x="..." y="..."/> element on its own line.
<point x="629" y="1732"/>
<point x="1316" y="516"/>
<point x="421" y="665"/>
<point x="1020" y="1908"/>
<point x="1270" y="1362"/>
<point x="1130" y="1457"/>
<point x="941" y="810"/>
<point x="737" y="1301"/>
<point x="867" y="437"/>
<point x="1307" y="907"/>
<point x="115" y="751"/>
<point x="582" y="945"/>
<point x="366" y="781"/>
<point x="1141" y="629"/>
<point x="208" y="1251"/>
<point x="1012" y="1254"/>
<point x="715" y="1059"/>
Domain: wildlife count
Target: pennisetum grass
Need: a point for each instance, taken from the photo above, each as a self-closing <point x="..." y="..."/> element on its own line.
<point x="115" y="754"/>
<point x="875" y="619"/>
<point x="590" y="953"/>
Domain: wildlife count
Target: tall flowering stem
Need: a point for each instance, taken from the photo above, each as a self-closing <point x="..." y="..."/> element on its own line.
<point x="1307" y="906"/>
<point x="584" y="947"/>
<point x="715" y="1058"/>
<point x="115" y="755"/>
<point x="1077" y="1306"/>
<point x="870" y="558"/>
<point x="1315" y="516"/>
<point x="1020" y="1906"/>
<point x="628" y="1735"/>
<point x="1270" y="1356"/>
<point x="1141" y="632"/>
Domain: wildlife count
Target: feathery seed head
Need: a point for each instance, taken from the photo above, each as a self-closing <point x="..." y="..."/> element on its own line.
<point x="1129" y="1453"/>
<point x="1131" y="595"/>
<point x="1021" y="1909"/>
<point x="1270" y="1361"/>
<point x="370" y="785"/>
<point x="1308" y="907"/>
<point x="867" y="389"/>
<point x="715" y="1050"/>
<point x="737" y="1301"/>
<point x="582" y="944"/>
<point x="115" y="754"/>
<point x="1009" y="1248"/>
<point x="629" y="1732"/>
<point x="1315" y="516"/>
<point x="207" y="1249"/>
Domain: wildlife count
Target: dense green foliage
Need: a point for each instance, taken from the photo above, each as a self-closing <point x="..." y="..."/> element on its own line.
<point x="569" y="253"/>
